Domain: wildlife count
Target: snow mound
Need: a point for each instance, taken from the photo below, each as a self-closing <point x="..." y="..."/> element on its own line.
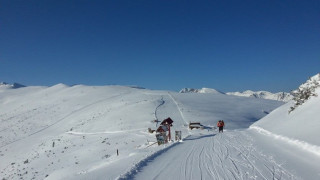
<point x="301" y="124"/>
<point x="280" y="96"/>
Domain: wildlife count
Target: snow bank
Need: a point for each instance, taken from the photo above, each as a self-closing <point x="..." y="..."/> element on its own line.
<point x="302" y="124"/>
<point x="301" y="144"/>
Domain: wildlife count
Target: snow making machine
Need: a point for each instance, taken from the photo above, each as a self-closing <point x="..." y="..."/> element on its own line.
<point x="163" y="133"/>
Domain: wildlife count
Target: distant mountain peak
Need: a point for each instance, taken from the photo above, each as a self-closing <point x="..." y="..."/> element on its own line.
<point x="11" y="86"/>
<point x="280" y="96"/>
<point x="3" y="83"/>
<point x="202" y="90"/>
<point x="17" y="85"/>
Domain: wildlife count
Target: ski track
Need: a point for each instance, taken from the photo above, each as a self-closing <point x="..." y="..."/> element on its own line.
<point x="163" y="102"/>
<point x="178" y="107"/>
<point x="143" y="163"/>
<point x="229" y="155"/>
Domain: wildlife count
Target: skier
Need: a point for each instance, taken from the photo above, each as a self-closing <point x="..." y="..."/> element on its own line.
<point x="220" y="125"/>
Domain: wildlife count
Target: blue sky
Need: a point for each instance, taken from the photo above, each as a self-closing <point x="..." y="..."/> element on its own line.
<point x="226" y="45"/>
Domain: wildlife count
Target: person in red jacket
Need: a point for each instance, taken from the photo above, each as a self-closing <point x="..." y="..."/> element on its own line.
<point x="220" y="125"/>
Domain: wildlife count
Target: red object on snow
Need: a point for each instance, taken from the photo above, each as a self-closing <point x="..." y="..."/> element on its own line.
<point x="165" y="126"/>
<point x="220" y="124"/>
<point x="167" y="121"/>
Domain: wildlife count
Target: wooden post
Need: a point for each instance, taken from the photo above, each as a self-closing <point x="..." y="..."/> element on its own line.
<point x="169" y="132"/>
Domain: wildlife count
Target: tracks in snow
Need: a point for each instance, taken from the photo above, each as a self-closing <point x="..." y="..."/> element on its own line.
<point x="230" y="155"/>
<point x="178" y="107"/>
<point x="162" y="102"/>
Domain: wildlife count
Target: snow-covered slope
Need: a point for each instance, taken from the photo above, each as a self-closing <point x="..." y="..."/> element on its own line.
<point x="302" y="124"/>
<point x="280" y="146"/>
<point x="280" y="96"/>
<point x="63" y="132"/>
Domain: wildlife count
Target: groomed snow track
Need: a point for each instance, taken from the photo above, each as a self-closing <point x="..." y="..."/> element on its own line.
<point x="231" y="155"/>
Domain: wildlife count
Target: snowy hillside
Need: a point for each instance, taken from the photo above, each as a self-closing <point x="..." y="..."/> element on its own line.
<point x="64" y="132"/>
<point x="280" y="96"/>
<point x="302" y="124"/>
<point x="280" y="146"/>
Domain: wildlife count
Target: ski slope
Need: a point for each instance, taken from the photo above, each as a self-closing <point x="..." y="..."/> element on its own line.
<point x="279" y="146"/>
<point x="243" y="154"/>
<point x="74" y="132"/>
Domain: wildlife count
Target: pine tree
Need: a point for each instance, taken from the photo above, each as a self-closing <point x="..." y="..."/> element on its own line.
<point x="305" y="91"/>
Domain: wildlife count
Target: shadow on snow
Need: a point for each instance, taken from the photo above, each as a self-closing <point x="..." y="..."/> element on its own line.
<point x="140" y="165"/>
<point x="191" y="138"/>
<point x="143" y="163"/>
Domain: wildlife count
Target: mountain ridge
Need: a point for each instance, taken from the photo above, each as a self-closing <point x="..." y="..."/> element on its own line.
<point x="12" y="86"/>
<point x="280" y="96"/>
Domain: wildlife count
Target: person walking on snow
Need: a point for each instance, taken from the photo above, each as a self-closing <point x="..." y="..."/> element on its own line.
<point x="220" y="125"/>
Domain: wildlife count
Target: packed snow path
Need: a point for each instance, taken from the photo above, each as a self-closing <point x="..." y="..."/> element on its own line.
<point x="228" y="155"/>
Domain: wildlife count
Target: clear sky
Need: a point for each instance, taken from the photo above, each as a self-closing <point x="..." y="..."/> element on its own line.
<point x="228" y="45"/>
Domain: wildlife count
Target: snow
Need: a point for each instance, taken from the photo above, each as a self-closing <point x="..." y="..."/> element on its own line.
<point x="301" y="124"/>
<point x="280" y="96"/>
<point x="74" y="132"/>
<point x="4" y="85"/>
<point x="231" y="155"/>
<point x="303" y="145"/>
<point x="312" y="81"/>
<point x="202" y="90"/>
